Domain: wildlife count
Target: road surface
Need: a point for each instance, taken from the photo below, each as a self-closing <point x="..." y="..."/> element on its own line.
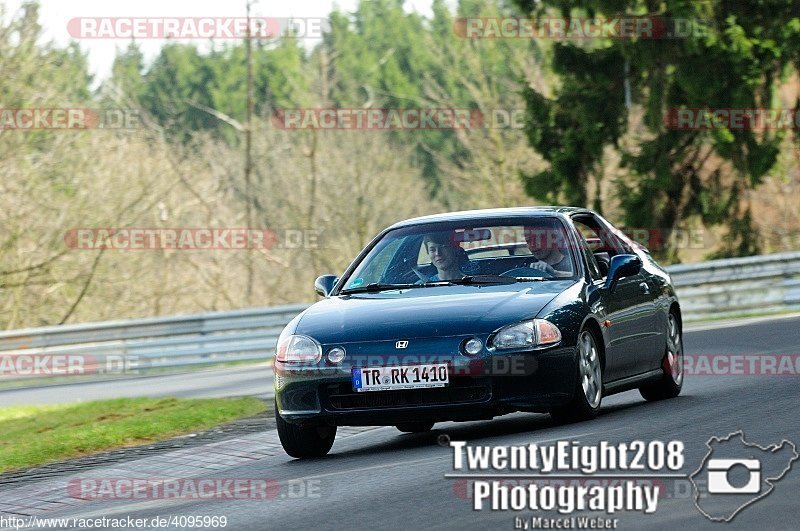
<point x="379" y="478"/>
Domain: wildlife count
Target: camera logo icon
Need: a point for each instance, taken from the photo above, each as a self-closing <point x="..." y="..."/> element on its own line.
<point x="719" y="476"/>
<point x="735" y="474"/>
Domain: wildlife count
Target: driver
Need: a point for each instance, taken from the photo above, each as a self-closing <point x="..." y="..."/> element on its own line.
<point x="548" y="247"/>
<point x="446" y="255"/>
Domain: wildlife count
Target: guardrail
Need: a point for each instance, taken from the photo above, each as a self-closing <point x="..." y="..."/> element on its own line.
<point x="754" y="284"/>
<point x="711" y="289"/>
<point x="143" y="345"/>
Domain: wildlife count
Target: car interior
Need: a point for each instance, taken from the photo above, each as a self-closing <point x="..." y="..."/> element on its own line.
<point x="600" y="241"/>
<point x="485" y="254"/>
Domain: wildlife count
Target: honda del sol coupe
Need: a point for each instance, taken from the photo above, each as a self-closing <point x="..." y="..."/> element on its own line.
<point x="470" y="315"/>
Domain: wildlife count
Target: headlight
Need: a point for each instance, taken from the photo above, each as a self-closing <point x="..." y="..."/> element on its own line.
<point x="298" y="349"/>
<point x="533" y="333"/>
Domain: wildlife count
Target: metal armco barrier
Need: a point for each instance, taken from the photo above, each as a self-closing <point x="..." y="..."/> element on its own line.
<point x="716" y="288"/>
<point x="142" y="345"/>
<point x="733" y="286"/>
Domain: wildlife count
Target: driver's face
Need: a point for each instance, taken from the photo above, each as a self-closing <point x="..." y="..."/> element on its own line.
<point x="538" y="245"/>
<point x="442" y="256"/>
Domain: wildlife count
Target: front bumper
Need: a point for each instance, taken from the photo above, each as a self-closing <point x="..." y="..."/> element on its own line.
<point x="479" y="388"/>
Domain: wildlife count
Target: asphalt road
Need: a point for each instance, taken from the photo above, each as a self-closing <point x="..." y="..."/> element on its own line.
<point x="383" y="479"/>
<point x="255" y="380"/>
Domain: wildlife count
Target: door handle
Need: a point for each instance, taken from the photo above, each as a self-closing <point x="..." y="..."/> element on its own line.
<point x="645" y="288"/>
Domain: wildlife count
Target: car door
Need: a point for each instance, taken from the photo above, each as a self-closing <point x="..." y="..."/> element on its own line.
<point x="630" y="310"/>
<point x="652" y="283"/>
<point x="631" y="313"/>
<point x="660" y="301"/>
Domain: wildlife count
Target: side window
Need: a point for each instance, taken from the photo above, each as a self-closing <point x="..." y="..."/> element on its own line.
<point x="594" y="267"/>
<point x="600" y="237"/>
<point x="615" y="237"/>
<point x="590" y="241"/>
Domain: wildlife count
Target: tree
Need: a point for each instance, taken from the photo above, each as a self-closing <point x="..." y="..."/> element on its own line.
<point x="736" y="55"/>
<point x="127" y="70"/>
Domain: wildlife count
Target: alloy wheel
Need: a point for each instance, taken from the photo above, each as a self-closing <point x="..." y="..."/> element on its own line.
<point x="590" y="373"/>
<point x="674" y="350"/>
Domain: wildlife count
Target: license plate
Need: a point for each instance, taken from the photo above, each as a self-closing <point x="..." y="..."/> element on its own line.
<point x="400" y="377"/>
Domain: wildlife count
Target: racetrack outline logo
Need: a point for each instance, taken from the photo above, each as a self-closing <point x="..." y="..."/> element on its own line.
<point x="715" y="471"/>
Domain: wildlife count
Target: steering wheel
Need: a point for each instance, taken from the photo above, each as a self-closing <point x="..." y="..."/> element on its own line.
<point x="525" y="272"/>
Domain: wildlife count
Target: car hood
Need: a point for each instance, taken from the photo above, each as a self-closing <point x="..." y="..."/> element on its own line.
<point x="425" y="312"/>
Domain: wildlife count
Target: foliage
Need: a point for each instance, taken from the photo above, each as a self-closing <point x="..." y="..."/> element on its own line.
<point x="581" y="143"/>
<point x="735" y="57"/>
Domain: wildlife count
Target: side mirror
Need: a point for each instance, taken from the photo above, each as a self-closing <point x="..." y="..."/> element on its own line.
<point x="622" y="265"/>
<point x="324" y="284"/>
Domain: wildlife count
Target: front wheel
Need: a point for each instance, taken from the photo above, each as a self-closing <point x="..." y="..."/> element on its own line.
<point x="304" y="441"/>
<point x="588" y="391"/>
<point x="671" y="383"/>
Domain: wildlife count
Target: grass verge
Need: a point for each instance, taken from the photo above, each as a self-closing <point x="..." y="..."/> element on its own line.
<point x="35" y="435"/>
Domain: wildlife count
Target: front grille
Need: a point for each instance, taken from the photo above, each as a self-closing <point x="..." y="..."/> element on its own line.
<point x="342" y="396"/>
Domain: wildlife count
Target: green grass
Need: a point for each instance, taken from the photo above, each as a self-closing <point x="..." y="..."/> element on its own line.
<point x="35" y="435"/>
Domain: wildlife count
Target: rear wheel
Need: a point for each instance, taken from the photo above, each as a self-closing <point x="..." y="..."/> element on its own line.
<point x="414" y="427"/>
<point x="671" y="383"/>
<point x="588" y="392"/>
<point x="304" y="441"/>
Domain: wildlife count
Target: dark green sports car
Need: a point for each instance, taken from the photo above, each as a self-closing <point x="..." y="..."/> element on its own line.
<point x="471" y="315"/>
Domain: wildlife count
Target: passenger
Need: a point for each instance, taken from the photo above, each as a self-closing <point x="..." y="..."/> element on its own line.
<point x="446" y="255"/>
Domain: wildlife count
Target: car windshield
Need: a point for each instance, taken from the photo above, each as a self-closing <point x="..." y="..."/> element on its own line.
<point x="466" y="253"/>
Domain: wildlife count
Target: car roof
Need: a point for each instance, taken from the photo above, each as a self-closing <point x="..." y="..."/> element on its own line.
<point x="492" y="213"/>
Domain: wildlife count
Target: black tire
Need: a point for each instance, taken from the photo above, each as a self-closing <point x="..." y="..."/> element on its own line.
<point x="589" y="382"/>
<point x="414" y="427"/>
<point x="671" y="383"/>
<point x="304" y="441"/>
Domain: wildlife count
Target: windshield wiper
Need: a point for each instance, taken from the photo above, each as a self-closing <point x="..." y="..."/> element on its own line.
<point x="468" y="280"/>
<point x="377" y="286"/>
<point x="484" y="279"/>
<point x="473" y="279"/>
